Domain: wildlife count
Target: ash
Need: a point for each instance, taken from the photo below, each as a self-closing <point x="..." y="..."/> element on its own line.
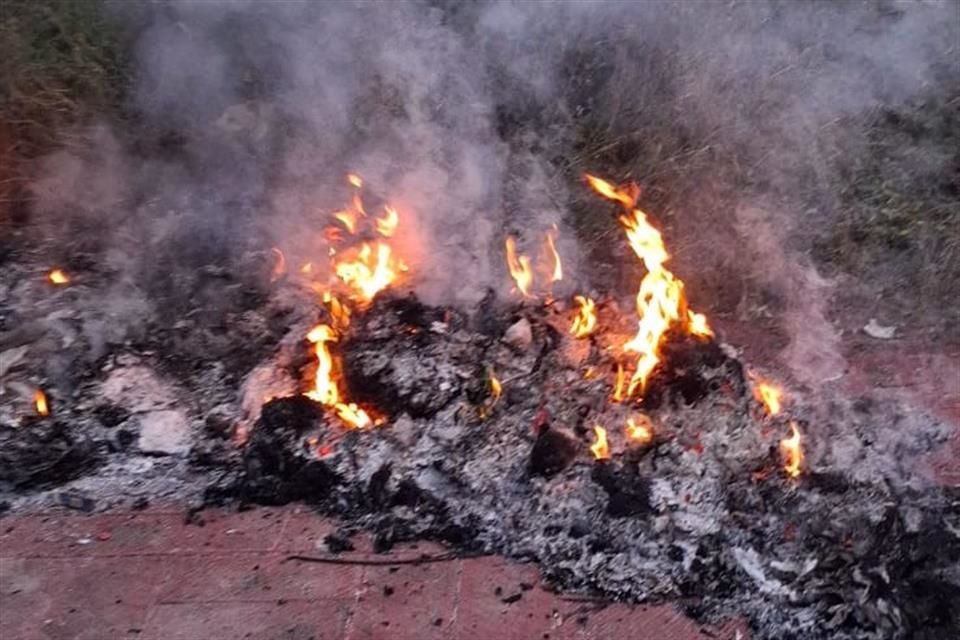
<point x="207" y="409"/>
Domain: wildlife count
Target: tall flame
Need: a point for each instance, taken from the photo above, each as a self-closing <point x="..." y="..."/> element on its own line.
<point x="40" y="402"/>
<point x="325" y="390"/>
<point x="660" y="301"/>
<point x="586" y="319"/>
<point x="387" y="225"/>
<point x="792" y="452"/>
<point x="57" y="276"/>
<point x="600" y="448"/>
<point x="520" y="268"/>
<point x="557" y="274"/>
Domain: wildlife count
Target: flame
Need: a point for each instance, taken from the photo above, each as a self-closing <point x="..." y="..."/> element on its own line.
<point x="770" y="396"/>
<point x="557" y="274"/>
<point x="348" y="218"/>
<point x="387" y="225"/>
<point x="279" y="264"/>
<point x="338" y="311"/>
<point x="496" y="389"/>
<point x="600" y="448"/>
<point x="792" y="452"/>
<point x="307" y="268"/>
<point x="355" y="180"/>
<point x="639" y="429"/>
<point x="586" y="320"/>
<point x="660" y="300"/>
<point x="519" y="267"/>
<point x="618" y="387"/>
<point x="325" y="389"/>
<point x="372" y="269"/>
<point x="57" y="276"/>
<point x="40" y="401"/>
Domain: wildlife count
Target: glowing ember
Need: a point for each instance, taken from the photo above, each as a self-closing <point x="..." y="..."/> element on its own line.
<point x="770" y="396"/>
<point x="586" y="320"/>
<point x="600" y="448"/>
<point x="792" y="452"/>
<point x="279" y="264"/>
<point x="639" y="429"/>
<point x="660" y="300"/>
<point x="57" y="276"/>
<point x="557" y="274"/>
<point x="520" y="268"/>
<point x="40" y="401"/>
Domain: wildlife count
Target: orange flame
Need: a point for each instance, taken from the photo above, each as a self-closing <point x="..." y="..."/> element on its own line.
<point x="372" y="269"/>
<point x="639" y="429"/>
<point x="348" y="218"/>
<point x="660" y="301"/>
<point x="770" y="396"/>
<point x="496" y="389"/>
<point x="792" y="452"/>
<point x="519" y="267"/>
<point x="355" y="180"/>
<point x="557" y="274"/>
<point x="57" y="276"/>
<point x="40" y="401"/>
<point x="338" y="311"/>
<point x="618" y="386"/>
<point x="586" y="320"/>
<point x="387" y="225"/>
<point x="325" y="389"/>
<point x="600" y="448"/>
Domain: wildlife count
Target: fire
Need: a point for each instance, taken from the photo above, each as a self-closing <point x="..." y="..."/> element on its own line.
<point x="338" y="311"/>
<point x="348" y="218"/>
<point x="586" y="320"/>
<point x="496" y="389"/>
<point x="520" y="268"/>
<point x="618" y="386"/>
<point x="770" y="396"/>
<point x="792" y="452"/>
<point x="660" y="300"/>
<point x="557" y="274"/>
<point x="355" y="180"/>
<point x="40" y="401"/>
<point x="387" y="225"/>
<point x="372" y="269"/>
<point x="325" y="390"/>
<point x="57" y="276"/>
<point x="600" y="448"/>
<point x="639" y="430"/>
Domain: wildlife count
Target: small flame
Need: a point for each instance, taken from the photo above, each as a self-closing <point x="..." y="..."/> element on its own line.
<point x="770" y="396"/>
<point x="355" y="180"/>
<point x="600" y="448"/>
<point x="586" y="320"/>
<point x="307" y="268"/>
<point x="338" y="311"/>
<point x="618" y="386"/>
<point x="520" y="268"/>
<point x="640" y="429"/>
<point x="792" y="452"/>
<point x="496" y="389"/>
<point x="57" y="276"/>
<point x="40" y="401"/>
<point x="279" y="264"/>
<point x="387" y="225"/>
<point x="557" y="274"/>
<point x="697" y="325"/>
<point x="348" y="218"/>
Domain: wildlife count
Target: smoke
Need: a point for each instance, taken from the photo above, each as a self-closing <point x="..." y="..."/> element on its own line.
<point x="476" y="119"/>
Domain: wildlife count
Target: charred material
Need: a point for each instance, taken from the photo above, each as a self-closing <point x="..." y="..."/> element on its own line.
<point x="45" y="453"/>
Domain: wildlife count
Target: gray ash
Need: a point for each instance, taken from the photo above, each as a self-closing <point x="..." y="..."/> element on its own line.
<point x="857" y="547"/>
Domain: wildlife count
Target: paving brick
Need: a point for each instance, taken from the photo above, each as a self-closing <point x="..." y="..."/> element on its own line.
<point x="406" y="601"/>
<point x="320" y="620"/>
<point x="79" y="598"/>
<point x="255" y="577"/>
<point x="662" y="622"/>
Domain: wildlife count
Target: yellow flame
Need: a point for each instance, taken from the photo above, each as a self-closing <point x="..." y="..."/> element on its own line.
<point x="387" y="225"/>
<point x="557" y="274"/>
<point x="348" y="218"/>
<point x="372" y="269"/>
<point x="600" y="448"/>
<point x="57" y="276"/>
<point x="496" y="389"/>
<point x="40" y="401"/>
<point x="307" y="268"/>
<point x="338" y="311"/>
<point x="355" y="180"/>
<point x="639" y="429"/>
<point x="618" y="385"/>
<point x="325" y="389"/>
<point x="792" y="452"/>
<point x="770" y="396"/>
<point x="586" y="319"/>
<point x="519" y="267"/>
<point x="660" y="300"/>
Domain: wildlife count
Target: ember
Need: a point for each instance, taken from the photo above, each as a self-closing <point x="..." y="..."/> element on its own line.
<point x="58" y="277"/>
<point x="40" y="402"/>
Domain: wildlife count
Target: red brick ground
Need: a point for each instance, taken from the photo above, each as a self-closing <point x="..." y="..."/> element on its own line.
<point x="150" y="576"/>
